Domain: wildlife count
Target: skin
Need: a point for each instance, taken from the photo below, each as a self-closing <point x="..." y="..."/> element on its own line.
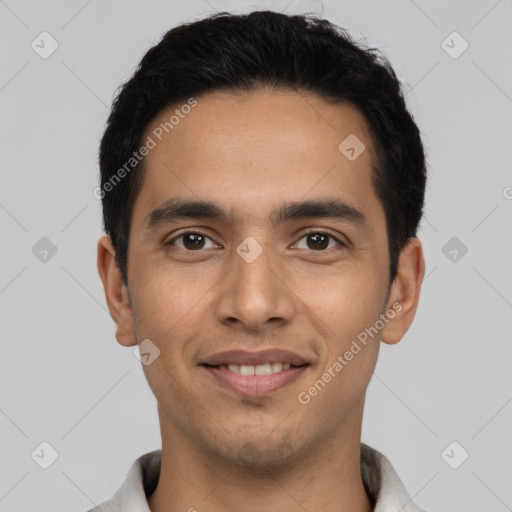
<point x="252" y="152"/>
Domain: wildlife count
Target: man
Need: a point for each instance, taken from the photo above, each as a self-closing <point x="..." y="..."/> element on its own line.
<point x="262" y="184"/>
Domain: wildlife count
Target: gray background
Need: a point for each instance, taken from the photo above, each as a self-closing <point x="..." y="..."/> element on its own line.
<point x="63" y="377"/>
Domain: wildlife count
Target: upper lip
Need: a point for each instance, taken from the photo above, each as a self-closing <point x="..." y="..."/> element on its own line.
<point x="254" y="358"/>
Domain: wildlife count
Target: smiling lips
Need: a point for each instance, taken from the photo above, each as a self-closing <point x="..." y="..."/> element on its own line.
<point x="255" y="373"/>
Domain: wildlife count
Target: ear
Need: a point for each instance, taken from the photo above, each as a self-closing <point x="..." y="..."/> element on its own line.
<point x="116" y="293"/>
<point x="405" y="292"/>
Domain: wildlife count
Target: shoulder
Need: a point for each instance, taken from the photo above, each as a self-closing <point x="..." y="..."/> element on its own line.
<point x="384" y="483"/>
<point x="140" y="482"/>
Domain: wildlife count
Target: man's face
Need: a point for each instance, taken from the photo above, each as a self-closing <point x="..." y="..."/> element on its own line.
<point x="252" y="281"/>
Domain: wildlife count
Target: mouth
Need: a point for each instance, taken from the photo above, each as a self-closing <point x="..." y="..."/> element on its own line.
<point x="259" y="369"/>
<point x="255" y="374"/>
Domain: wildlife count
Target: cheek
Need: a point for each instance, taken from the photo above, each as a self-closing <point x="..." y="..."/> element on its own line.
<point x="344" y="317"/>
<point x="171" y="309"/>
<point x="166" y="308"/>
<point x="167" y="301"/>
<point x="348" y="302"/>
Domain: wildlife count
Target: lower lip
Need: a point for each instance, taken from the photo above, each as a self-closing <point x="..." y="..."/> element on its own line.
<point x="255" y="385"/>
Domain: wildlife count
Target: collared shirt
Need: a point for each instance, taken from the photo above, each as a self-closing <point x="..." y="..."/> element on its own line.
<point x="382" y="484"/>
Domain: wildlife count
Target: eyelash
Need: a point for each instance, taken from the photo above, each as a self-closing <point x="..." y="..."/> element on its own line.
<point x="311" y="232"/>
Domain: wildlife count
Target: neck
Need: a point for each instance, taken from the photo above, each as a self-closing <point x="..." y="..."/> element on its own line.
<point x="327" y="478"/>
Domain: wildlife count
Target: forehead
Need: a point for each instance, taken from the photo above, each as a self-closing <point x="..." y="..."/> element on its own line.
<point x="254" y="149"/>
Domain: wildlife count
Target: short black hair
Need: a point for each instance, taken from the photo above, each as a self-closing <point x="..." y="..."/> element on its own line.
<point x="243" y="52"/>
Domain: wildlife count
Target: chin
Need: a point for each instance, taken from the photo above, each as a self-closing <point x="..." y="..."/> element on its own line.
<point x="261" y="450"/>
<point x="256" y="457"/>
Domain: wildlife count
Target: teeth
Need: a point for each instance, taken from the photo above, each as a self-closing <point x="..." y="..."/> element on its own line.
<point x="246" y="369"/>
<point x="263" y="369"/>
<point x="232" y="368"/>
<point x="260" y="369"/>
<point x="277" y="367"/>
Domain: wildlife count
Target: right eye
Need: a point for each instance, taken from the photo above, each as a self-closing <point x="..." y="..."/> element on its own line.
<point x="191" y="241"/>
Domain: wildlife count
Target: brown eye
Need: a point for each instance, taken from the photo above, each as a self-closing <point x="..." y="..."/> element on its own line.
<point x="190" y="241"/>
<point x="193" y="241"/>
<point x="319" y="241"/>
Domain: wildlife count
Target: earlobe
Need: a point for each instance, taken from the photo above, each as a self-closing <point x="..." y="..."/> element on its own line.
<point x="116" y="293"/>
<point x="405" y="292"/>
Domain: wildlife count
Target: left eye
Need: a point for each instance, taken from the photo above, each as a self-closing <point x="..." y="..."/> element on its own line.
<point x="319" y="240"/>
<point x="192" y="240"/>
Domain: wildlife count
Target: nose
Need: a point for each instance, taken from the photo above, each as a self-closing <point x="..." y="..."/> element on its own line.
<point x="255" y="296"/>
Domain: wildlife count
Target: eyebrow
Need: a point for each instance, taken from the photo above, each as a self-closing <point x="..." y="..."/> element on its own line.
<point x="177" y="208"/>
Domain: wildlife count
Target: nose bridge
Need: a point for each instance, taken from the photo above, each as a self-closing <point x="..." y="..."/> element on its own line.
<point x="253" y="294"/>
<point x="253" y="267"/>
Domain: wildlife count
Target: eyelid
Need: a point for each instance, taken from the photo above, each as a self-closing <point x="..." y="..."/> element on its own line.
<point x="343" y="242"/>
<point x="187" y="232"/>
